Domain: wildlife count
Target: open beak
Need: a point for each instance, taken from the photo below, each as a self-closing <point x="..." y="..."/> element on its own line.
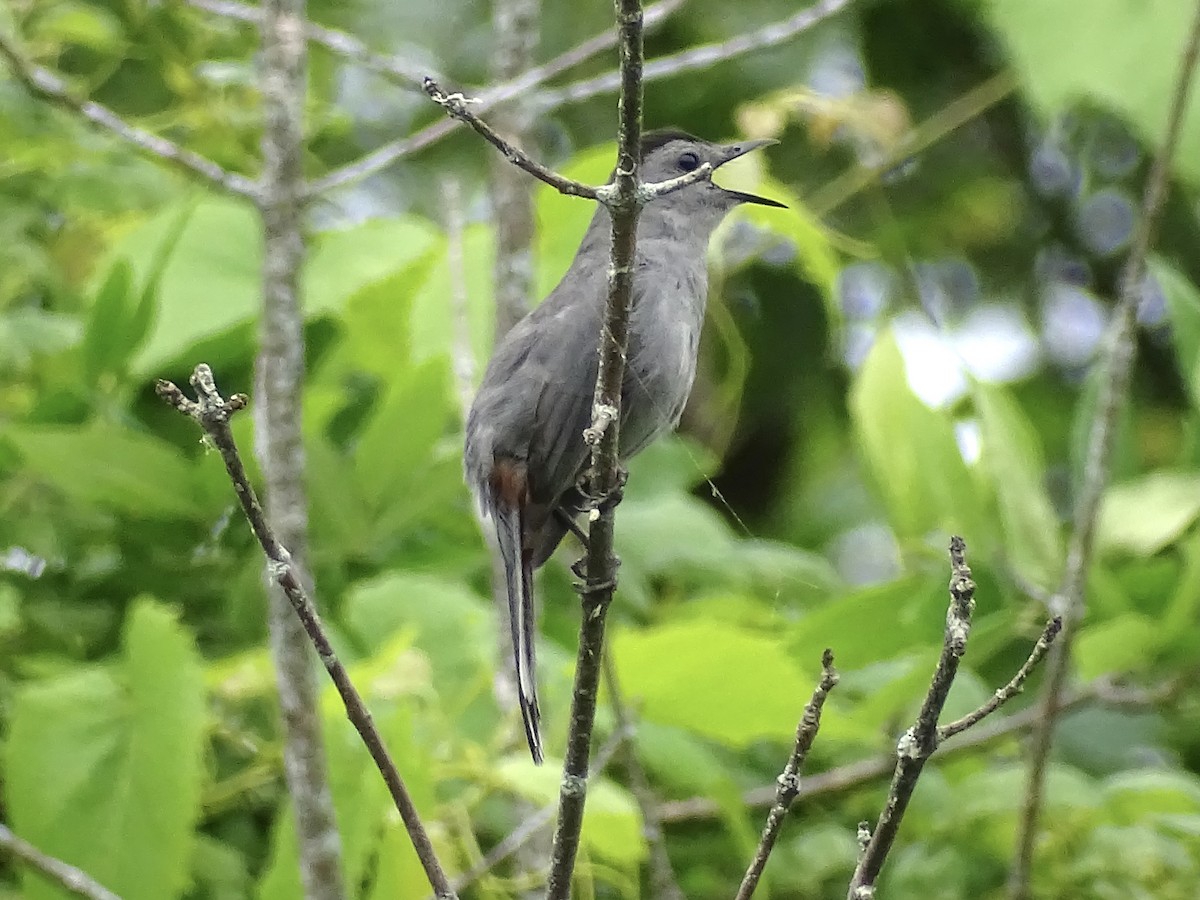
<point x="733" y="151"/>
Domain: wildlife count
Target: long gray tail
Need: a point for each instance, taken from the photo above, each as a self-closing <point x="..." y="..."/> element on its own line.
<point x="518" y="572"/>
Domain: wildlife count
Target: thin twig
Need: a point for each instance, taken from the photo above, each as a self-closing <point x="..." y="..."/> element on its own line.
<point x="605" y="476"/>
<point x="918" y="743"/>
<point x="379" y="159"/>
<point x="1069" y="601"/>
<point x="212" y="413"/>
<point x="663" y="883"/>
<point x="45" y="84"/>
<point x="456" y="106"/>
<point x="701" y="57"/>
<point x="520" y="836"/>
<point x="856" y="774"/>
<point x="788" y="784"/>
<point x="67" y="876"/>
<point x="1010" y="690"/>
<point x="403" y="72"/>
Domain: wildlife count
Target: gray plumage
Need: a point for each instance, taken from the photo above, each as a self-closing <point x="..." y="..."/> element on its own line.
<point x="524" y="443"/>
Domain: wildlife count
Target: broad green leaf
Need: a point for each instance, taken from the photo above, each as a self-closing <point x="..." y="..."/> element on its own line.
<point x="211" y="282"/>
<point x="612" y="823"/>
<point x="377" y="322"/>
<point x="68" y="22"/>
<point x="1183" y="309"/>
<point x="345" y="261"/>
<point x="911" y="452"/>
<point x="1146" y="514"/>
<point x="1135" y="795"/>
<point x="452" y="625"/>
<point x="439" y="328"/>
<point x="105" y="764"/>
<point x="1013" y="459"/>
<point x="105" y="344"/>
<point x="27" y="332"/>
<point x="396" y="448"/>
<point x="365" y="813"/>
<point x="1126" y="643"/>
<point x="1124" y="55"/>
<point x="726" y="683"/>
<point x="109" y="466"/>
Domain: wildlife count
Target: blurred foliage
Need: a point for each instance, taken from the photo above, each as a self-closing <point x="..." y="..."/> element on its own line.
<point x="906" y="352"/>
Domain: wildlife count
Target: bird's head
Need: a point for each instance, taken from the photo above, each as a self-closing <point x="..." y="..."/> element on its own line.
<point x="670" y="153"/>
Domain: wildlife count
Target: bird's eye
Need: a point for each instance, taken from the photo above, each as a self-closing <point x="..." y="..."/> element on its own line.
<point x="689" y="161"/>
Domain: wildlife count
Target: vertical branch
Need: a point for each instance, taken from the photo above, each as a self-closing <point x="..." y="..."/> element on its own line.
<point x="1069" y="602"/>
<point x="605" y="477"/>
<point x="918" y="743"/>
<point x="515" y="23"/>
<point x="279" y="438"/>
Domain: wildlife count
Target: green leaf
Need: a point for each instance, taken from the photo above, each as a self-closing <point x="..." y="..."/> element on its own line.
<point x="88" y="26"/>
<point x="211" y="282"/>
<point x="436" y="320"/>
<point x="1146" y="514"/>
<point x="108" y="466"/>
<point x="453" y="625"/>
<point x="911" y="452"/>
<point x="1183" y="309"/>
<point x="346" y="261"/>
<point x="1135" y="795"/>
<point x="396" y="449"/>
<point x="105" y="765"/>
<point x="27" y="332"/>
<point x="1120" y="54"/>
<point x="1124" y="644"/>
<point x="612" y="823"/>
<point x="1013" y="459"/>
<point x="104" y="344"/>
<point x="723" y="682"/>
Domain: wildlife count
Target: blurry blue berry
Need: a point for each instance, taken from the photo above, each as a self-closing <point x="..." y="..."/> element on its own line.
<point x="865" y="289"/>
<point x="1105" y="221"/>
<point x="948" y="288"/>
<point x="1051" y="170"/>
<point x="1073" y="324"/>
<point x="1054" y="264"/>
<point x="1152" y="302"/>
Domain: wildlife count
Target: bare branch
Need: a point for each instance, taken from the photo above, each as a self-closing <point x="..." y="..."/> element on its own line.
<point x="380" y="159"/>
<point x="856" y="774"/>
<point x="68" y="877"/>
<point x="701" y="57"/>
<point x="605" y="476"/>
<point x="918" y="743"/>
<point x="212" y="413"/>
<point x="405" y="73"/>
<point x="788" y="784"/>
<point x="1069" y="601"/>
<point x="45" y="84"/>
<point x="663" y="883"/>
<point x="456" y="106"/>
<point x="1010" y="690"/>
<point x="279" y="437"/>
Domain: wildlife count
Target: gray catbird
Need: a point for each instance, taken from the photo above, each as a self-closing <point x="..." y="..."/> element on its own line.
<point x="525" y="451"/>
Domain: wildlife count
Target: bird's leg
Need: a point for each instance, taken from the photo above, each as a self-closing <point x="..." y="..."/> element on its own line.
<point x="572" y="526"/>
